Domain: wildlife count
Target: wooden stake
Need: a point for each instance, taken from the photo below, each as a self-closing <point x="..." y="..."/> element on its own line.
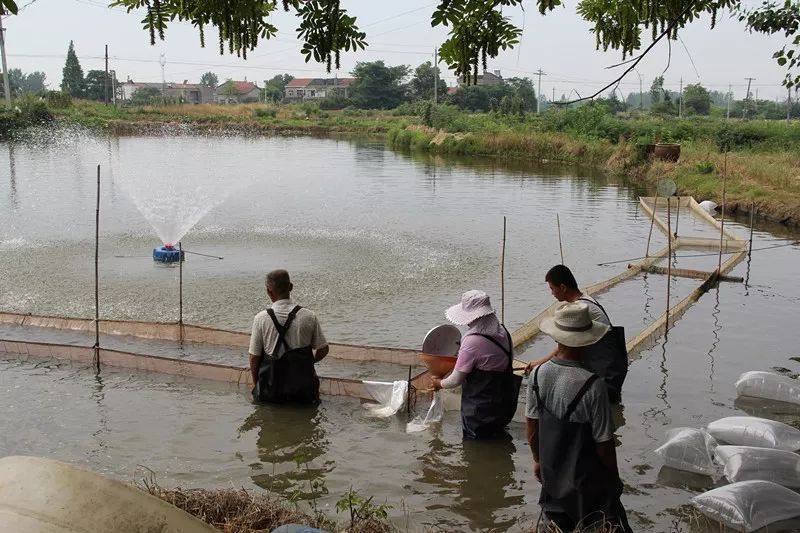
<point x="560" y="247"/>
<point x="677" y="217"/>
<point x="722" y="220"/>
<point x="408" y="393"/>
<point x="669" y="262"/>
<point x="752" y="215"/>
<point x="652" y="221"/>
<point x="97" y="277"/>
<point x="503" y="276"/>
<point x="180" y="291"/>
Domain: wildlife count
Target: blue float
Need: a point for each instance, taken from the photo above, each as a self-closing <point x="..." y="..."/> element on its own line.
<point x="168" y="254"/>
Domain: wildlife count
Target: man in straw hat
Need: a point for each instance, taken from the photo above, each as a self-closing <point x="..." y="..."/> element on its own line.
<point x="570" y="429"/>
<point x="608" y="358"/>
<point x="484" y="368"/>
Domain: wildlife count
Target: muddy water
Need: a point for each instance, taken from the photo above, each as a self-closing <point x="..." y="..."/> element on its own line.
<point x="379" y="244"/>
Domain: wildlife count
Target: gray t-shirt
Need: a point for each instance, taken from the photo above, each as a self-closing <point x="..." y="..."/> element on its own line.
<point x="559" y="382"/>
<point x="595" y="312"/>
<point x="303" y="331"/>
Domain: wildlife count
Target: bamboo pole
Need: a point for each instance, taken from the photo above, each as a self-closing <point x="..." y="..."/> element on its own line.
<point x="180" y="292"/>
<point x="560" y="247"/>
<point x="652" y="221"/>
<point x="752" y="215"/>
<point x="503" y="276"/>
<point x="677" y="218"/>
<point x="669" y="262"/>
<point x="408" y="393"/>
<point x="97" y="276"/>
<point x="722" y="219"/>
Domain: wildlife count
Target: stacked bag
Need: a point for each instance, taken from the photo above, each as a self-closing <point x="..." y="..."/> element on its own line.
<point x="758" y="458"/>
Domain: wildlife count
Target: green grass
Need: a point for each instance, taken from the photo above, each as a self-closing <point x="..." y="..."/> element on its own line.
<point x="763" y="161"/>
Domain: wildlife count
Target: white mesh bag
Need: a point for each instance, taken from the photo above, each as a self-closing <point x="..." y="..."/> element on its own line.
<point x="769" y="386"/>
<point x="749" y="505"/>
<point x="754" y="431"/>
<point x="743" y="463"/>
<point x="689" y="449"/>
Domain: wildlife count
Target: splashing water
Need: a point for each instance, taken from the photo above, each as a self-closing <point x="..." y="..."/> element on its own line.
<point x="174" y="193"/>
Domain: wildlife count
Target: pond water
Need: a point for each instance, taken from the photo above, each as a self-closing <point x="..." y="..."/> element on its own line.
<point x="379" y="244"/>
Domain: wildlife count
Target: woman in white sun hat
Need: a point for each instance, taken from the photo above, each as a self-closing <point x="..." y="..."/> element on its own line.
<point x="484" y="369"/>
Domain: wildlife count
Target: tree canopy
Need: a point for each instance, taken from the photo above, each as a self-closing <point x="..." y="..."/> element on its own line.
<point x="697" y="99"/>
<point x="209" y="79"/>
<point x="377" y="86"/>
<point x="478" y="29"/>
<point x="22" y="83"/>
<point x="426" y="76"/>
<point x="72" y="81"/>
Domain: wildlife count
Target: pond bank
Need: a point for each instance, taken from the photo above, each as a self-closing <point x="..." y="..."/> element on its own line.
<point x="765" y="179"/>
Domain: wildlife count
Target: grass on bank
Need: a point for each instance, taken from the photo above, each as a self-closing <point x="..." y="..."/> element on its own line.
<point x="763" y="162"/>
<point x="243" y="511"/>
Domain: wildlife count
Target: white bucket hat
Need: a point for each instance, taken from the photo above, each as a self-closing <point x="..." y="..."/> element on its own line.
<point x="474" y="305"/>
<point x="571" y="325"/>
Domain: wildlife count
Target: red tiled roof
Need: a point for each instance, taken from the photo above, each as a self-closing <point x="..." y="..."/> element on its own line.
<point x="242" y="87"/>
<point x="300" y="82"/>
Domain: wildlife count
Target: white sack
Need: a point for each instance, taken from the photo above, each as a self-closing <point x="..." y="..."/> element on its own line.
<point x="749" y="505"/>
<point x="753" y="431"/>
<point x="689" y="449"/>
<point x="435" y="414"/>
<point x="391" y="397"/>
<point x="770" y="386"/>
<point x="744" y="463"/>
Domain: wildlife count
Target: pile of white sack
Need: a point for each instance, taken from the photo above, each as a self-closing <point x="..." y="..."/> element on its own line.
<point x="756" y="455"/>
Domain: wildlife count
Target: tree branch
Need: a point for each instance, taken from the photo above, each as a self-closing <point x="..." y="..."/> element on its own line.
<point x="632" y="66"/>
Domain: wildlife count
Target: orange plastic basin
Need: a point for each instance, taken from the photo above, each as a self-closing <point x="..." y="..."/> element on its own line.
<point x="438" y="365"/>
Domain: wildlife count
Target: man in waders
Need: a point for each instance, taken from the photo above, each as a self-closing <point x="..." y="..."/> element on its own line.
<point x="570" y="429"/>
<point x="608" y="358"/>
<point x="285" y="343"/>
<point x="489" y="387"/>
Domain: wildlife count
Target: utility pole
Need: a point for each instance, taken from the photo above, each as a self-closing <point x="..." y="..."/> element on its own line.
<point x="114" y="87"/>
<point x="728" y="115"/>
<point x="788" y="105"/>
<point x="163" y="60"/>
<point x="554" y="95"/>
<point x="641" y="100"/>
<point x="105" y="81"/>
<point x="680" y="101"/>
<point x="6" y="84"/>
<point x="747" y="98"/>
<point x="435" y="74"/>
<point x="540" y="73"/>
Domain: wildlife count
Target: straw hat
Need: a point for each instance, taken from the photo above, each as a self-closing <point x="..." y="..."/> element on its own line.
<point x="571" y="325"/>
<point x="474" y="305"/>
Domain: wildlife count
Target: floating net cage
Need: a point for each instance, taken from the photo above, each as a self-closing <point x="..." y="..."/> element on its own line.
<point x="664" y="214"/>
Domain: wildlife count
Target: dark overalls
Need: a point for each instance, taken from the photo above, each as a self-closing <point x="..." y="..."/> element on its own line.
<point x="577" y="488"/>
<point x="608" y="357"/>
<point x="290" y="378"/>
<point x="489" y="398"/>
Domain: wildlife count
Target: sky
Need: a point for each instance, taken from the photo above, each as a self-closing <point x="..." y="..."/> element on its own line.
<point x="559" y="43"/>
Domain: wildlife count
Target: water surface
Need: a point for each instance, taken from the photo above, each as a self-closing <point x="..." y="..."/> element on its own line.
<point x="379" y="243"/>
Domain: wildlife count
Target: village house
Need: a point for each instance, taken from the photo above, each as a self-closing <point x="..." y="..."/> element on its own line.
<point x="300" y="89"/>
<point x="487" y="78"/>
<point x="237" y="92"/>
<point x="191" y="93"/>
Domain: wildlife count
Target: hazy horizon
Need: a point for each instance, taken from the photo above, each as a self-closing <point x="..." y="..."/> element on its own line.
<point x="559" y="43"/>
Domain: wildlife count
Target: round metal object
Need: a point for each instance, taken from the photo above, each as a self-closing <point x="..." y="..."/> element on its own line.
<point x="666" y="188"/>
<point x="442" y="340"/>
